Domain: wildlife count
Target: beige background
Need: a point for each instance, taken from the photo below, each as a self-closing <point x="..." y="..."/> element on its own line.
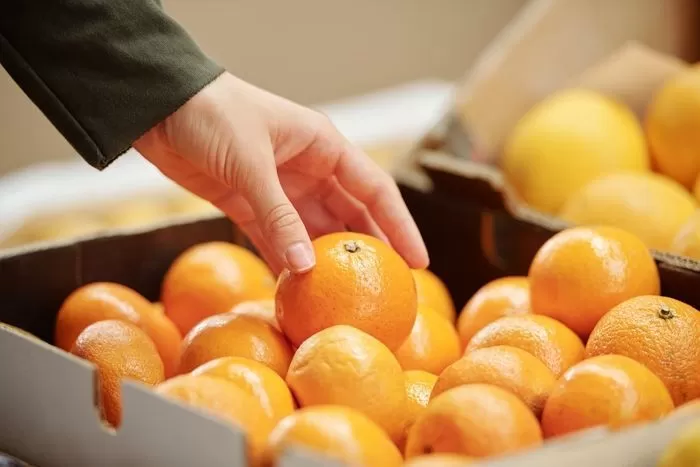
<point x="309" y="50"/>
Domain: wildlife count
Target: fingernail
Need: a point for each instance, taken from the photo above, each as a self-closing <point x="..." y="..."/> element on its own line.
<point x="300" y="257"/>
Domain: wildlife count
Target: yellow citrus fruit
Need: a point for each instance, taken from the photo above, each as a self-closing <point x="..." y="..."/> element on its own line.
<point x="257" y="379"/>
<point x="432" y="345"/>
<point x="608" y="390"/>
<point x="225" y="400"/>
<point x="478" y="420"/>
<point x="358" y="281"/>
<point x="567" y="140"/>
<point x="432" y="292"/>
<point x="648" y="205"/>
<point x="684" y="449"/>
<point x="336" y="432"/>
<point x="343" y="365"/>
<point x="510" y="368"/>
<point x="209" y="279"/>
<point x="581" y="273"/>
<point x="501" y="297"/>
<point x="235" y="335"/>
<point x="121" y="351"/>
<point x="673" y="127"/>
<point x="687" y="239"/>
<point x="419" y="386"/>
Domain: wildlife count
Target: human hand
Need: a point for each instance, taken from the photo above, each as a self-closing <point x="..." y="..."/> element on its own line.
<point x="279" y="170"/>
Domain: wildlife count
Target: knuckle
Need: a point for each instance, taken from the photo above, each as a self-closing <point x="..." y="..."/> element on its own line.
<point x="280" y="218"/>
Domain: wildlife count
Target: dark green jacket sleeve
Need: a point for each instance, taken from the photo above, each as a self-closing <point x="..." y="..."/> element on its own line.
<point x="103" y="71"/>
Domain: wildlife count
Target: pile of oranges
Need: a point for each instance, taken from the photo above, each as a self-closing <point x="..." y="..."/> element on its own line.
<point x="365" y="361"/>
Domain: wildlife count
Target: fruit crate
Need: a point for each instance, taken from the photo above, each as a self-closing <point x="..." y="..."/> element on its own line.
<point x="47" y="396"/>
<point x="540" y="52"/>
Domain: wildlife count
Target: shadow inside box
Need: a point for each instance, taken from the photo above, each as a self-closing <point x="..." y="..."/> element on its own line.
<point x="454" y="233"/>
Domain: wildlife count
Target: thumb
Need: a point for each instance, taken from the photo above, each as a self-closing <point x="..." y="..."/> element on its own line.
<point x="280" y="224"/>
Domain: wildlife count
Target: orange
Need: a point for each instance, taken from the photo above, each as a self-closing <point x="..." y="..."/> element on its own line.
<point x="263" y="309"/>
<point x="545" y="338"/>
<point x="439" y="460"/>
<point x="608" y="390"/>
<point x="432" y="345"/>
<point x="343" y="365"/>
<point x="235" y="335"/>
<point x="648" y="205"/>
<point x="510" y="368"/>
<point x="120" y="351"/>
<point x="433" y="293"/>
<point x="105" y="300"/>
<point x="580" y="273"/>
<point x="258" y="380"/>
<point x="477" y="420"/>
<point x="419" y="384"/>
<point x="336" y="432"/>
<point x="659" y="332"/>
<point x="673" y="127"/>
<point x="210" y="278"/>
<point x="358" y="280"/>
<point x="506" y="296"/>
<point x="687" y="240"/>
<point x="225" y="400"/>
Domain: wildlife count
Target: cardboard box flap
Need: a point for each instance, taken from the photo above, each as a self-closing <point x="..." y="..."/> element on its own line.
<point x="632" y="75"/>
<point x="550" y="44"/>
<point x="37" y="279"/>
<point x="57" y="407"/>
<point x="617" y="449"/>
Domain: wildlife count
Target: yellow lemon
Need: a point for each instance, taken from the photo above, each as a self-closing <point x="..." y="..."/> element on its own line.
<point x="649" y="205"/>
<point x="673" y="127"/>
<point x="567" y="140"/>
<point x="684" y="450"/>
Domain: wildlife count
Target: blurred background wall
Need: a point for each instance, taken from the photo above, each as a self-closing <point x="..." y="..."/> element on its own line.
<point x="311" y="51"/>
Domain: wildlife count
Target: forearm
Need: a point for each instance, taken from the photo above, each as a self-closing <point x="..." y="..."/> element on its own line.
<point x="103" y="71"/>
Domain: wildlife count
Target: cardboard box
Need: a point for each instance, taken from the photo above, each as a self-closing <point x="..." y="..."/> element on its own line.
<point x="48" y="415"/>
<point x="631" y="47"/>
<point x="47" y="411"/>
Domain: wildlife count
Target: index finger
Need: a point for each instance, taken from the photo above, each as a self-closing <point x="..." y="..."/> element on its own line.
<point x="372" y="186"/>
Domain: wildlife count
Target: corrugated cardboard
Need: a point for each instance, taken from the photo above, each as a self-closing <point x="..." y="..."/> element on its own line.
<point x="48" y="415"/>
<point x="47" y="411"/>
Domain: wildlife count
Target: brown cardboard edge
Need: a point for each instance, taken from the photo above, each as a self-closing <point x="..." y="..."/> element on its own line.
<point x="484" y="183"/>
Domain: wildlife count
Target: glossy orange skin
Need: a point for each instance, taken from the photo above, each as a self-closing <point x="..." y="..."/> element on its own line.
<point x="581" y="273"/>
<point x="477" y="420"/>
<point x="336" y="432"/>
<point x="433" y="293"/>
<point x="263" y="309"/>
<point x="211" y="278"/>
<point x="258" y="380"/>
<point x="359" y="281"/>
<point x="509" y="368"/>
<point x="419" y="384"/>
<point x="659" y="332"/>
<point x="432" y="345"/>
<point x="343" y="365"/>
<point x="608" y="390"/>
<point x="227" y="401"/>
<point x="506" y="296"/>
<point x="100" y="301"/>
<point x="120" y="351"/>
<point x="235" y="335"/>
<point x="545" y="338"/>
